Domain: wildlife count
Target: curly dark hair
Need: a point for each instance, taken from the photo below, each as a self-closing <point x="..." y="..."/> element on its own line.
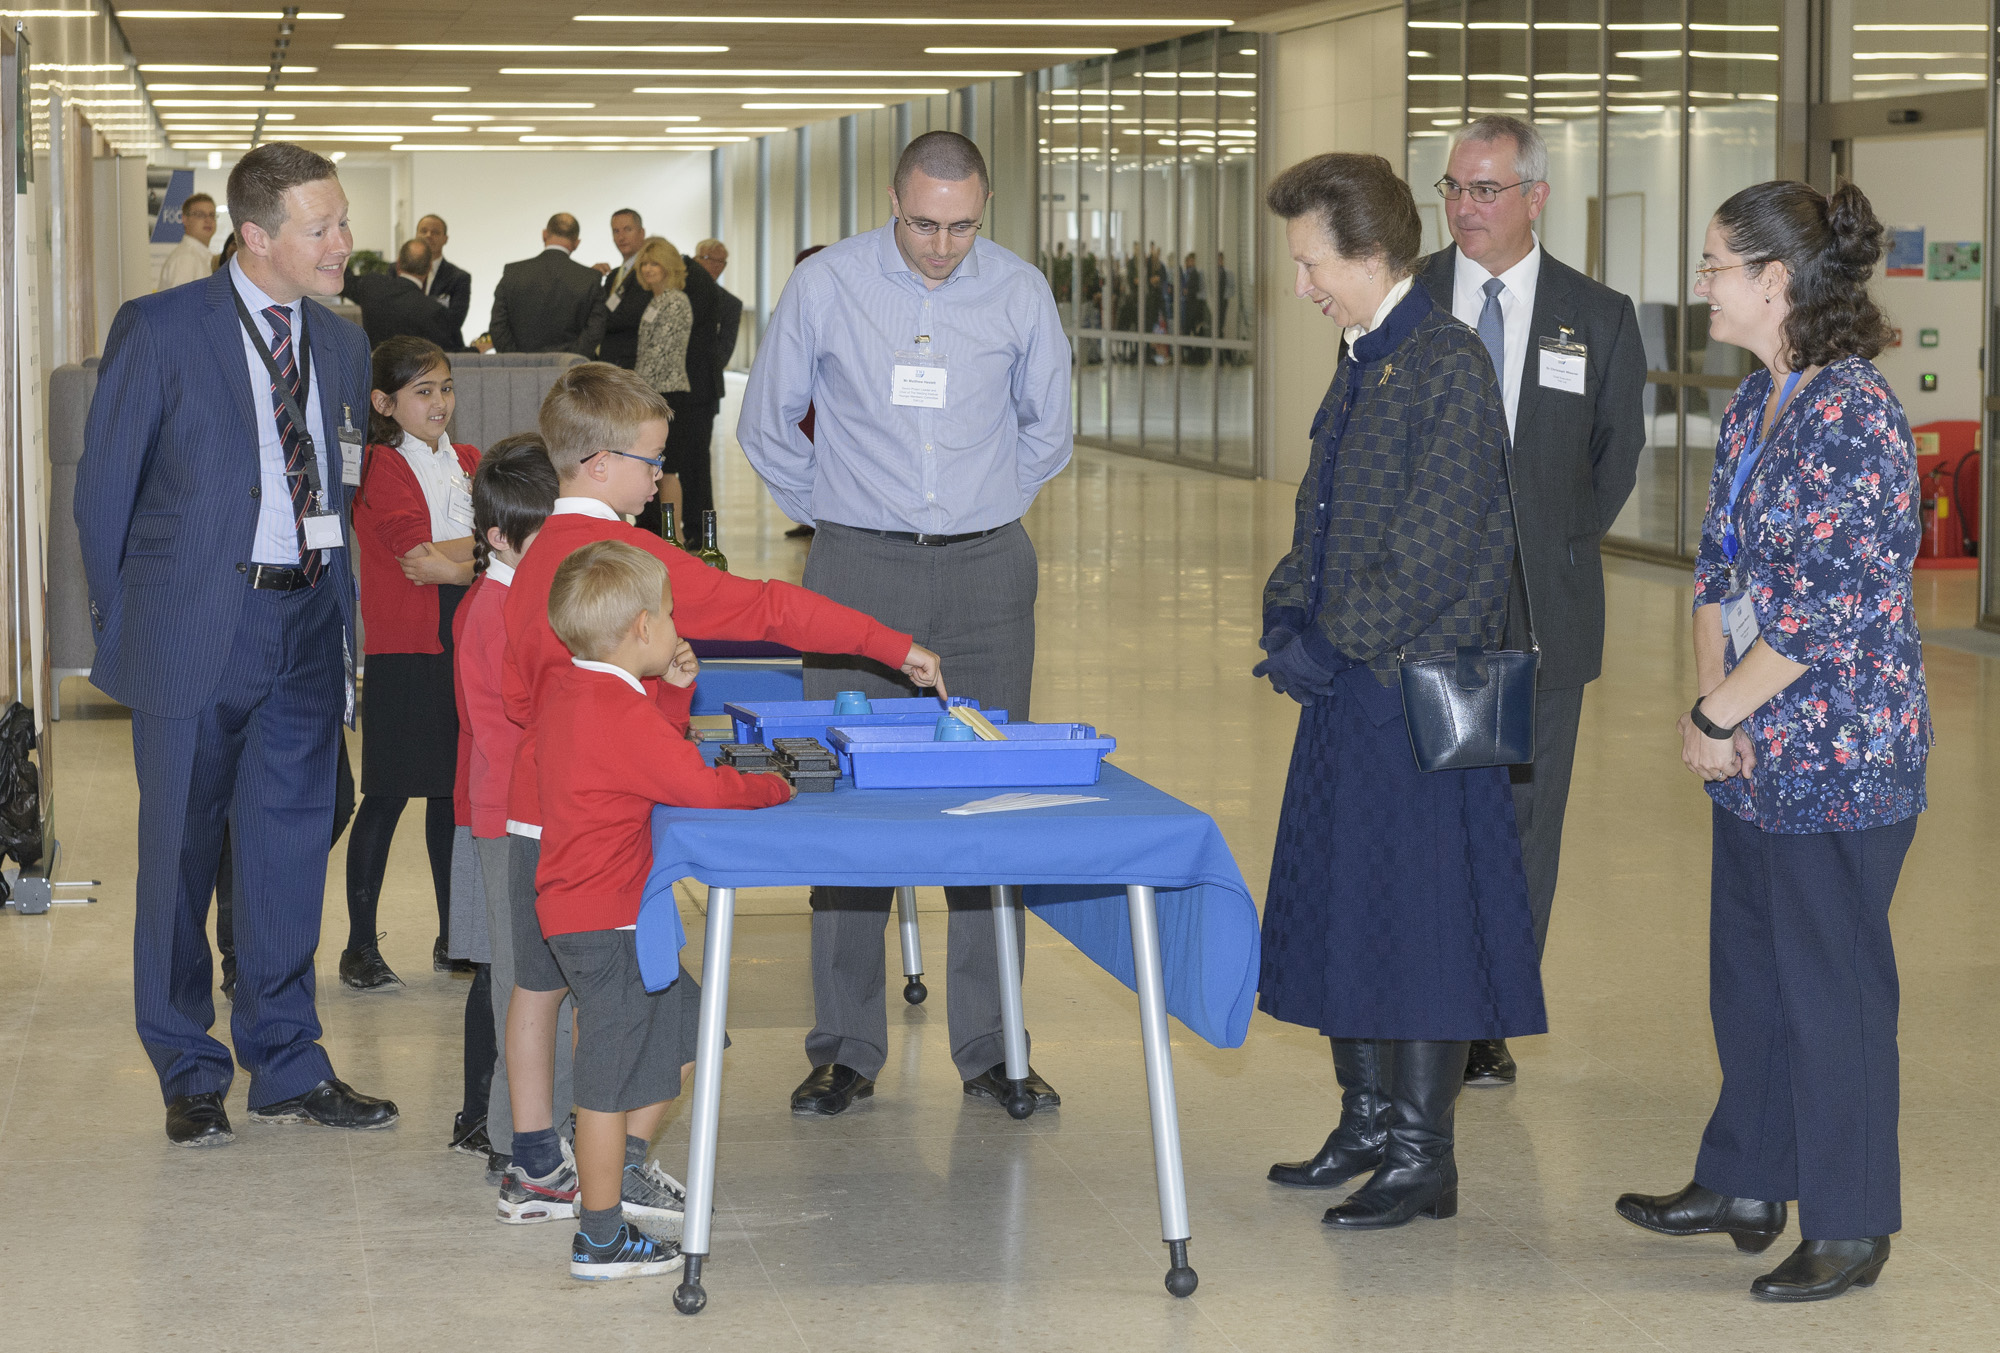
<point x="1364" y="206"/>
<point x="1829" y="246"/>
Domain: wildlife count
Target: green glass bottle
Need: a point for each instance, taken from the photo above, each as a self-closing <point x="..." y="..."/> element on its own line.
<point x="667" y="532"/>
<point x="708" y="553"/>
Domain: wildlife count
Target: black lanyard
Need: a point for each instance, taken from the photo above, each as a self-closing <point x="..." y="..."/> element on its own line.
<point x="284" y="389"/>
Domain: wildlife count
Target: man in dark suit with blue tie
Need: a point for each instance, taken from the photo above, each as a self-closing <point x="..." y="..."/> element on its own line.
<point x="212" y="512"/>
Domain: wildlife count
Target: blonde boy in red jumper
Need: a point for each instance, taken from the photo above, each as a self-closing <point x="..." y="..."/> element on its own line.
<point x="605" y="431"/>
<point x="611" y="754"/>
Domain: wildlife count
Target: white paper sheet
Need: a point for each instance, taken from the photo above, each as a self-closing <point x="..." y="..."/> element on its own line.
<point x="1007" y="803"/>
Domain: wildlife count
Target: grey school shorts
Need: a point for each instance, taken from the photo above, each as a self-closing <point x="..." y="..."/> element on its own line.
<point x="631" y="1042"/>
<point x="534" y="966"/>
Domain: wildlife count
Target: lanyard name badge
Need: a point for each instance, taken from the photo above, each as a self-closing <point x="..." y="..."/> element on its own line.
<point x="322" y="528"/>
<point x="1739" y="613"/>
<point x="1564" y="361"/>
<point x="350" y="449"/>
<point x="917" y="381"/>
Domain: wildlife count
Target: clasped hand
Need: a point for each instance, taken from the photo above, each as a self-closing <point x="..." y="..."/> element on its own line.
<point x="1716" y="759"/>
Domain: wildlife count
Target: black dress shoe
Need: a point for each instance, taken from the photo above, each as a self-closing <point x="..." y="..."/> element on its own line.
<point x="364" y="970"/>
<point x="1696" y="1211"/>
<point x="829" y="1090"/>
<point x="198" y="1120"/>
<point x="331" y="1103"/>
<point x="1489" y="1063"/>
<point x="1419" y="1172"/>
<point x="1819" y="1269"/>
<point x="992" y="1084"/>
<point x="442" y="961"/>
<point x="470" y="1138"/>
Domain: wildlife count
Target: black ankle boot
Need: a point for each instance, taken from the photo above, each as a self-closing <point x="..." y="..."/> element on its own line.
<point x="1355" y="1147"/>
<point x="1819" y="1269"/>
<point x="1419" y="1174"/>
<point x="1696" y="1211"/>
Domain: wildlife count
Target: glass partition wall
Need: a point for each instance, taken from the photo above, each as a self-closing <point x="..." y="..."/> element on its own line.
<point x="1654" y="111"/>
<point x="1149" y="211"/>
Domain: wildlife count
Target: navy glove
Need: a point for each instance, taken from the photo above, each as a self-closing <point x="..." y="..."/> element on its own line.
<point x="1281" y="626"/>
<point x="1292" y="672"/>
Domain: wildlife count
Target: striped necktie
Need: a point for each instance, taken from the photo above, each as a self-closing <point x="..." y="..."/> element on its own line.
<point x="293" y="439"/>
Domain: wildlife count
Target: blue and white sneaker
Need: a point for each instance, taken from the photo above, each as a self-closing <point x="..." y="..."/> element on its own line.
<point x="653" y="1200"/>
<point x="631" y="1254"/>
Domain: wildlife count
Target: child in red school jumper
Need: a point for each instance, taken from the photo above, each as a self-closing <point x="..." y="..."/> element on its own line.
<point x="605" y="430"/>
<point x="413" y="530"/>
<point x="512" y="492"/>
<point x="619" y="755"/>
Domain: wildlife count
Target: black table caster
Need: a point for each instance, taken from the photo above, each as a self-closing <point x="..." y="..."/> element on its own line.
<point x="689" y="1297"/>
<point x="914" y="990"/>
<point x="1020" y="1104"/>
<point x="1181" y="1280"/>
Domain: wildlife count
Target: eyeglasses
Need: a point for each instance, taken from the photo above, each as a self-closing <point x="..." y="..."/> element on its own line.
<point x="959" y="229"/>
<point x="657" y="462"/>
<point x="1703" y="274"/>
<point x="1451" y="190"/>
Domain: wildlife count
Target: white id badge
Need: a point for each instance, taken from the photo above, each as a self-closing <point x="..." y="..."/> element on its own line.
<point x="917" y="381"/>
<point x="323" y="531"/>
<point x="350" y="449"/>
<point x="1739" y="618"/>
<point x="1563" y="364"/>
<point x="458" y="506"/>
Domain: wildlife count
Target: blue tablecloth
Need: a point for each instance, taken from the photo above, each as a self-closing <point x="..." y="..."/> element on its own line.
<point x="721" y="682"/>
<point x="1074" y="864"/>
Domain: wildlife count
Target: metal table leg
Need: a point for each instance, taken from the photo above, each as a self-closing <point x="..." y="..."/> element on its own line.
<point x="705" y="1118"/>
<point x="1013" y="1026"/>
<point x="1160" y="1087"/>
<point x="914" y="989"/>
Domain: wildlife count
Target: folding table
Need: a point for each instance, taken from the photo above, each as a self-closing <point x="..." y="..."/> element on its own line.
<point x="1142" y="883"/>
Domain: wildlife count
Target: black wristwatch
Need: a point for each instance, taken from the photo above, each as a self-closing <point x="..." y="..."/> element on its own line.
<point x="1710" y="726"/>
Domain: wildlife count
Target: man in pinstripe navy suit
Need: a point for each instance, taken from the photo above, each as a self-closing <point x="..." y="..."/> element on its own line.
<point x="211" y="506"/>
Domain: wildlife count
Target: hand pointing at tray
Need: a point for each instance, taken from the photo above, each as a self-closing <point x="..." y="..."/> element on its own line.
<point x="923" y="667"/>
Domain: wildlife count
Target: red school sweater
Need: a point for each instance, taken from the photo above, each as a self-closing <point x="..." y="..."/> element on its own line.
<point x="391" y="518"/>
<point x="487" y="738"/>
<point x="619" y="755"/>
<point x="708" y="604"/>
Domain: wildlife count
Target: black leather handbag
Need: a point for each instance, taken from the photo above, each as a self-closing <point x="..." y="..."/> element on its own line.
<point x="1475" y="708"/>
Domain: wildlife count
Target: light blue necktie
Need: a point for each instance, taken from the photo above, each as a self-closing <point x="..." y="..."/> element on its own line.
<point x="1493" y="329"/>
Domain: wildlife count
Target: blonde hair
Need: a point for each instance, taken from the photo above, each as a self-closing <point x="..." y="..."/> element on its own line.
<point x="598" y="593"/>
<point x="658" y="249"/>
<point x="703" y="248"/>
<point x="594" y="407"/>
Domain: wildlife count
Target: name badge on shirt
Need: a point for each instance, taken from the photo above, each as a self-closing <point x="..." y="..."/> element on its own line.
<point x="1739" y="618"/>
<point x="350" y="449"/>
<point x="1563" y="363"/>
<point x="458" y="506"/>
<point x="323" y="531"/>
<point x="917" y="381"/>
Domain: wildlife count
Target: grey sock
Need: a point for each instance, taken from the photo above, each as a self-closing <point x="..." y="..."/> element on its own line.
<point x="601" y="1228"/>
<point x="635" y="1150"/>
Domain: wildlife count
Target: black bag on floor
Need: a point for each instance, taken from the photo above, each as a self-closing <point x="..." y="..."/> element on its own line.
<point x="20" y="790"/>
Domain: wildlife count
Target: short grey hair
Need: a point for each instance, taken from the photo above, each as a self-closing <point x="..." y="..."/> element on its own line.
<point x="1531" y="152"/>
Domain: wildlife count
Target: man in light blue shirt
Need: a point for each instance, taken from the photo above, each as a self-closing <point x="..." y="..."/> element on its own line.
<point x="939" y="379"/>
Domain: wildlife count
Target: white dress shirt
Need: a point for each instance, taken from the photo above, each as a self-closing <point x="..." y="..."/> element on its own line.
<point x="437" y="472"/>
<point x="1354" y="333"/>
<point x="1517" y="311"/>
<point x="190" y="261"/>
<point x="277" y="532"/>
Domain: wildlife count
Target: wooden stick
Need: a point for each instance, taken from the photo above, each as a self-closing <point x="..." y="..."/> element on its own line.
<point x="978" y="723"/>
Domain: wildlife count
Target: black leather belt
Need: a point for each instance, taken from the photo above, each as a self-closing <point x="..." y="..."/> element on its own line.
<point x="919" y="538"/>
<point x="277" y="577"/>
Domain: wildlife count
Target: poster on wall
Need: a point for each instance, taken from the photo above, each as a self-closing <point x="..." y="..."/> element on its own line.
<point x="1957" y="261"/>
<point x="1906" y="252"/>
<point x="166" y="212"/>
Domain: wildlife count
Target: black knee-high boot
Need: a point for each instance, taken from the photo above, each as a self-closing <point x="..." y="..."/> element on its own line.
<point x="1362" y="1067"/>
<point x="1419" y="1174"/>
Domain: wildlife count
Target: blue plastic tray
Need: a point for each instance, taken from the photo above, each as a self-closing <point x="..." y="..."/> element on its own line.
<point x="1033" y="754"/>
<point x="767" y="720"/>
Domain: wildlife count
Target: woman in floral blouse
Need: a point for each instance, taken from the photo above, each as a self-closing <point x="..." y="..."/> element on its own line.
<point x="1811" y="732"/>
<point x="664" y="330"/>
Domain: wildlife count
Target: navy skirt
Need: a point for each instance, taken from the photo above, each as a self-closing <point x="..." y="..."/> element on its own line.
<point x="1398" y="907"/>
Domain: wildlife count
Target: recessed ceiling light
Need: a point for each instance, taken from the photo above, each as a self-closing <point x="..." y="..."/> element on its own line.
<point x="174" y="68"/>
<point x="767" y="89"/>
<point x="762" y="73"/>
<point x="505" y="129"/>
<point x="461" y="117"/>
<point x="506" y="47"/>
<point x="280" y="101"/>
<point x="828" y="107"/>
<point x="765" y="20"/>
<point x="1020" y="51"/>
<point x="267" y="15"/>
<point x="312" y="89"/>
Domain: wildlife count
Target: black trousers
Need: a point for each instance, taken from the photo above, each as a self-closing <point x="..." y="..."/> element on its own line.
<point x="1541" y="797"/>
<point x="1803" y="994"/>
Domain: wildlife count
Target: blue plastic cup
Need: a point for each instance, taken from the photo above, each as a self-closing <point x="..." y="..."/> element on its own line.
<point x="950" y="729"/>
<point x="851" y="702"/>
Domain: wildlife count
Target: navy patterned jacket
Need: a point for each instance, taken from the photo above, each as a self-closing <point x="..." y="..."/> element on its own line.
<point x="1403" y="539"/>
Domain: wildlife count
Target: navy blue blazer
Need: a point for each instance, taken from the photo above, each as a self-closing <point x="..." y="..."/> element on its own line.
<point x="167" y="491"/>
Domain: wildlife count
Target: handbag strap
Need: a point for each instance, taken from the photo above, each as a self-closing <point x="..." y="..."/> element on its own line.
<point x="1514" y="510"/>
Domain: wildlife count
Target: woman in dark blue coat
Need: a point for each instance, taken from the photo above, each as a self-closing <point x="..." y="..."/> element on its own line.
<point x="1397" y="918"/>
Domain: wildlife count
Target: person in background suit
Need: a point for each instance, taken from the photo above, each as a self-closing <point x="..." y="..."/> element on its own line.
<point x="621" y="322"/>
<point x="1573" y="375"/>
<point x="446" y="283"/>
<point x="549" y="303"/>
<point x="695" y="412"/>
<point x="190" y="260"/>
<point x="393" y="305"/>
<point x="713" y="255"/>
<point x="222" y="596"/>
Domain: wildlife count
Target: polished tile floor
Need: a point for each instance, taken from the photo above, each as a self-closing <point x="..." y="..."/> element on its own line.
<point x="926" y="1221"/>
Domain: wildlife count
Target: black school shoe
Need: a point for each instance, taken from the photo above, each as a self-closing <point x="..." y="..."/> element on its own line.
<point x="829" y="1090"/>
<point x="469" y="1138"/>
<point x="365" y="970"/>
<point x="1489" y="1063"/>
<point x="198" y="1120"/>
<point x="331" y="1103"/>
<point x="442" y="961"/>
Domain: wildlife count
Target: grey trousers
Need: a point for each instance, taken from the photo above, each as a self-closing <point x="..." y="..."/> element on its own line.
<point x="974" y="605"/>
<point x="1541" y="796"/>
<point x="494" y="871"/>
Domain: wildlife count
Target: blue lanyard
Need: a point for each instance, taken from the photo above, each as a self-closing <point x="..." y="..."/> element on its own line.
<point x="1746" y="465"/>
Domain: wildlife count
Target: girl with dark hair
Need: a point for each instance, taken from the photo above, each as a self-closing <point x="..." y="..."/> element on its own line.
<point x="413" y="536"/>
<point x="1811" y="730"/>
<point x="1397" y="920"/>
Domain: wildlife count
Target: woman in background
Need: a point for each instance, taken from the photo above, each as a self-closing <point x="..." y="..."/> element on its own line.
<point x="664" y="330"/>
